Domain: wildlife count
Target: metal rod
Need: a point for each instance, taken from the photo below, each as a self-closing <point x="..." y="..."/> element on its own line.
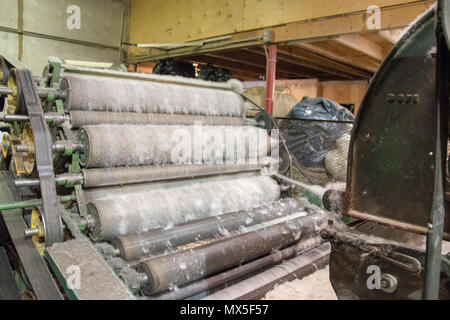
<point x="315" y="120"/>
<point x="22" y="148"/>
<point x="317" y="190"/>
<point x="5" y="90"/>
<point x="51" y="37"/>
<point x="55" y="117"/>
<point x="26" y="182"/>
<point x="179" y="44"/>
<point x="14" y="117"/>
<point x="31" y="232"/>
<point x="45" y="92"/>
<point x="30" y="203"/>
<point x="61" y="180"/>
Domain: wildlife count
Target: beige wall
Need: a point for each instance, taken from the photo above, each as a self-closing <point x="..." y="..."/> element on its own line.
<point x="102" y="25"/>
<point x="289" y="92"/>
<point x="344" y="92"/>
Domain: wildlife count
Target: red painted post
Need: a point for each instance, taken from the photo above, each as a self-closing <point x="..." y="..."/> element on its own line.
<point x="270" y="81"/>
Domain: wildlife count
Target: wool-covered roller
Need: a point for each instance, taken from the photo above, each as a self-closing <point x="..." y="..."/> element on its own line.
<point x="133" y="145"/>
<point x="109" y="191"/>
<point x="121" y="214"/>
<point x="246" y="269"/>
<point x="79" y="119"/>
<point x="182" y="267"/>
<point x="103" y="177"/>
<point x="157" y="241"/>
<point x="95" y="93"/>
<point x="256" y="287"/>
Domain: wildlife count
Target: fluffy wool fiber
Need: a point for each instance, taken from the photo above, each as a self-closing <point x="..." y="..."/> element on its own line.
<point x="164" y="207"/>
<point x="95" y="93"/>
<point x="132" y="145"/>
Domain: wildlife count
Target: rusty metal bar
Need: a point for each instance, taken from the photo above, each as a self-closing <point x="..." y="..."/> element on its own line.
<point x="270" y="80"/>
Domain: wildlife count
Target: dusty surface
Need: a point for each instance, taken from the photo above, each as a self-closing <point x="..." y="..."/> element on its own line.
<point x="316" y="286"/>
<point x="97" y="279"/>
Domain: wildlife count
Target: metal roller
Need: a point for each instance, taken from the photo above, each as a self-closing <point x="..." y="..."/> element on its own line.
<point x="126" y="213"/>
<point x="134" y="246"/>
<point x="241" y="271"/>
<point x="179" y="268"/>
<point x="83" y="118"/>
<point x="151" y="95"/>
<point x="127" y="175"/>
<point x="256" y="287"/>
<point x="132" y="145"/>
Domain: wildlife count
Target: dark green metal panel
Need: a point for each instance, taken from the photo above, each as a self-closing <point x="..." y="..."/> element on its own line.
<point x="35" y="267"/>
<point x="445" y="13"/>
<point x="392" y="151"/>
<point x="8" y="287"/>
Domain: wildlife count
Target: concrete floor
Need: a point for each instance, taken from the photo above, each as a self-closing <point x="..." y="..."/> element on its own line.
<point x="316" y="286"/>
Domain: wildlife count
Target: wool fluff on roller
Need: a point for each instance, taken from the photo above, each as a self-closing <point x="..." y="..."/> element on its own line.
<point x="133" y="145"/>
<point x="137" y="212"/>
<point x="94" y="93"/>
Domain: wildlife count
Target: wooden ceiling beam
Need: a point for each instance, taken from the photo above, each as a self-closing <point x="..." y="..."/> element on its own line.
<point x="290" y="56"/>
<point x="283" y="69"/>
<point x="361" y="45"/>
<point x="329" y="63"/>
<point x="327" y="50"/>
<point x="287" y="55"/>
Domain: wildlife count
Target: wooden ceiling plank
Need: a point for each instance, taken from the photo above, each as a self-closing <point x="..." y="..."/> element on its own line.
<point x="259" y="60"/>
<point x="361" y="45"/>
<point x="311" y="60"/>
<point x="330" y="63"/>
<point x="330" y="53"/>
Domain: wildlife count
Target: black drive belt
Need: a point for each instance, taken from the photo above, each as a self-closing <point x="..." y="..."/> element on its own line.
<point x="52" y="210"/>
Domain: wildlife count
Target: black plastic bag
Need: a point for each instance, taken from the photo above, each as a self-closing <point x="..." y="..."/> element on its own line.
<point x="211" y="73"/>
<point x="174" y="68"/>
<point x="310" y="141"/>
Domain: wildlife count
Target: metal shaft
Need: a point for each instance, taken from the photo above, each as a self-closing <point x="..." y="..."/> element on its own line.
<point x="5" y="91"/>
<point x="66" y="179"/>
<point x="43" y="92"/>
<point x="30" y="203"/>
<point x="83" y="118"/>
<point x="49" y="117"/>
<point x="128" y="175"/>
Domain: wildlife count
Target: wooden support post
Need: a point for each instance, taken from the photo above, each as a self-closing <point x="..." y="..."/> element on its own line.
<point x="270" y="77"/>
